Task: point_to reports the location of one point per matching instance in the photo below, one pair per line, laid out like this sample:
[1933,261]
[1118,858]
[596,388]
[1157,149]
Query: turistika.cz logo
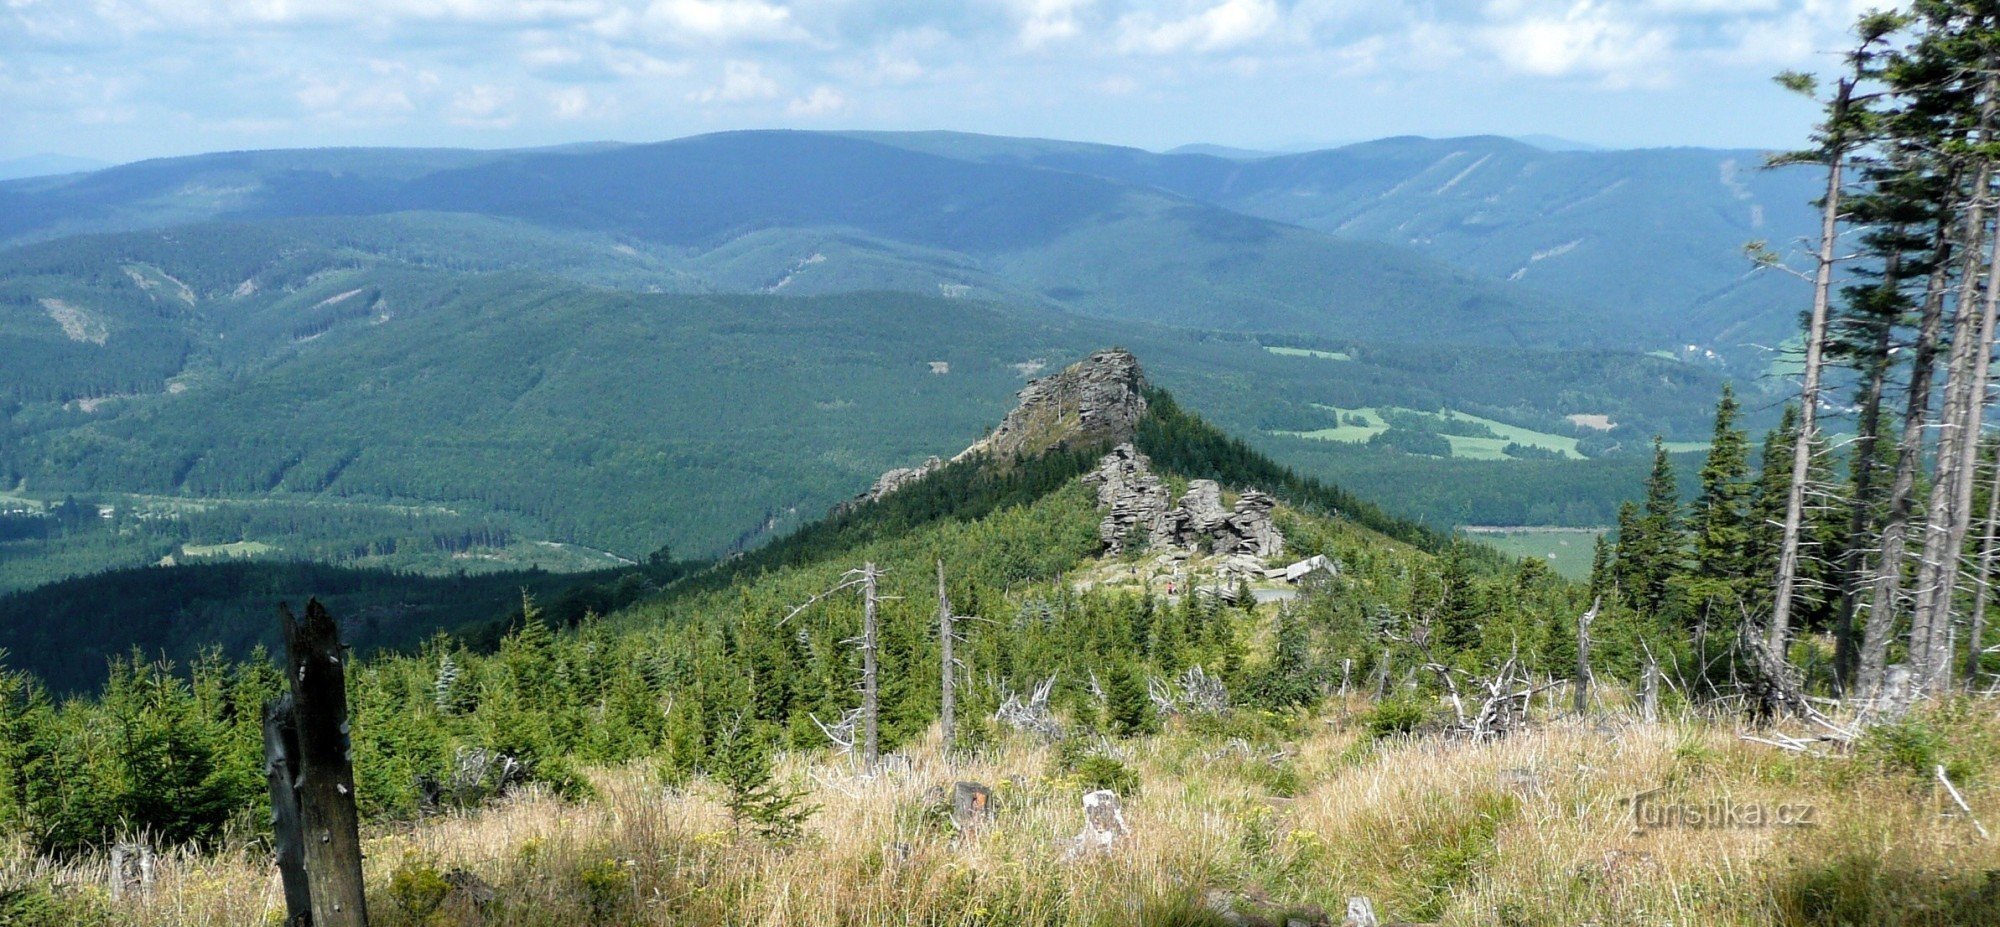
[1651,812]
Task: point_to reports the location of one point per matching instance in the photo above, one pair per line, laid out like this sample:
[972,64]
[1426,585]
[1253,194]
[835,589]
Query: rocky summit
[1099,398]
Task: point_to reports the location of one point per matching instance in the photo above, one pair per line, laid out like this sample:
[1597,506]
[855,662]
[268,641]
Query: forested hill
[1651,237]
[380,393]
[746,211]
[65,633]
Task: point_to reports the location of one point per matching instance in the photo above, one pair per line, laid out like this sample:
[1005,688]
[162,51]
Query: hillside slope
[917,221]
[1653,238]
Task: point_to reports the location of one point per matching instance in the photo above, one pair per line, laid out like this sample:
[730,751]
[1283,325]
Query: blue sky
[126,79]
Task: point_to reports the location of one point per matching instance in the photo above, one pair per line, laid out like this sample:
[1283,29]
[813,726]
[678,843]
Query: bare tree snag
[315,665]
[869,702]
[948,673]
[1583,623]
[281,745]
[1976,635]
[1649,698]
[1885,583]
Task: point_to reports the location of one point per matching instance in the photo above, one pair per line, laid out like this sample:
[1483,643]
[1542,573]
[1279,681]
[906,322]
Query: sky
[120,80]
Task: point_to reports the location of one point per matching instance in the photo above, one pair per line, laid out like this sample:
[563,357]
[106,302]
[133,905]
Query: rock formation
[1251,530]
[1138,510]
[1100,398]
[1134,501]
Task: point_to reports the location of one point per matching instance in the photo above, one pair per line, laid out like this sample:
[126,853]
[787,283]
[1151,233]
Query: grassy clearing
[1308,352]
[1537,829]
[1565,550]
[236,549]
[1465,447]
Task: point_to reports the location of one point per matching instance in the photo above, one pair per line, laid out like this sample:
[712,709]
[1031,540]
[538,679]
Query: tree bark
[315,664]
[1583,623]
[281,745]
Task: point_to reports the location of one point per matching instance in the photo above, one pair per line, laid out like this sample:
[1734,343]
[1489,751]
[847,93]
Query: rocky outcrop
[1100,398]
[890,482]
[1251,530]
[1138,510]
[1134,501]
[1199,516]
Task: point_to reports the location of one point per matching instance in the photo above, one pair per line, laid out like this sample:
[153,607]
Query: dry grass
[1536,829]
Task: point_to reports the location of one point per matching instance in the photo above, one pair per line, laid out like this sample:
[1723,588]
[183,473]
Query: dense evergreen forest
[348,391]
[175,745]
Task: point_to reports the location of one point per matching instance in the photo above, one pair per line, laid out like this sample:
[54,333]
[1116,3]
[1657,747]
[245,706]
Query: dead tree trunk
[1976,635]
[315,665]
[869,701]
[1802,444]
[281,745]
[1885,585]
[1649,699]
[1937,571]
[1862,512]
[947,678]
[1583,623]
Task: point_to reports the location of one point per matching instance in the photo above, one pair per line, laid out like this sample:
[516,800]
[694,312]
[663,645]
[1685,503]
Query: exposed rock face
[1199,516]
[898,478]
[1251,529]
[1099,398]
[890,482]
[1137,511]
[1134,500]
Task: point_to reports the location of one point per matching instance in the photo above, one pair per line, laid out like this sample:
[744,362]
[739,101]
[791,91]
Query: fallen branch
[1962,806]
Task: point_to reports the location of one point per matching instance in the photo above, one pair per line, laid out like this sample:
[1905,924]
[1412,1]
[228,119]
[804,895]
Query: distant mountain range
[40,165]
[443,360]
[1638,249]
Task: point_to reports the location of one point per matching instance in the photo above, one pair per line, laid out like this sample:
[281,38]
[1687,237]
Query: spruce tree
[1128,710]
[754,797]
[1650,544]
[1458,614]
[1721,520]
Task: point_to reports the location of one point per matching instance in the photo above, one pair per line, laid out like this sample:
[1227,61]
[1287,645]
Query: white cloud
[822,101]
[742,82]
[1047,22]
[573,103]
[483,106]
[1586,39]
[1226,25]
[719,21]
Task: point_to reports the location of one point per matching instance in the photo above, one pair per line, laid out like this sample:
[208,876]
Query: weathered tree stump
[131,870]
[322,771]
[971,806]
[1103,824]
[281,744]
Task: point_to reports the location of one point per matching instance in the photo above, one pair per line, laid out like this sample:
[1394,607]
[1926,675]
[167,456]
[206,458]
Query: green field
[236,549]
[1468,448]
[1565,550]
[1308,352]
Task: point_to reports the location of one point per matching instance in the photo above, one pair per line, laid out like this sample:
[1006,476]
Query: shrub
[1394,716]
[417,889]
